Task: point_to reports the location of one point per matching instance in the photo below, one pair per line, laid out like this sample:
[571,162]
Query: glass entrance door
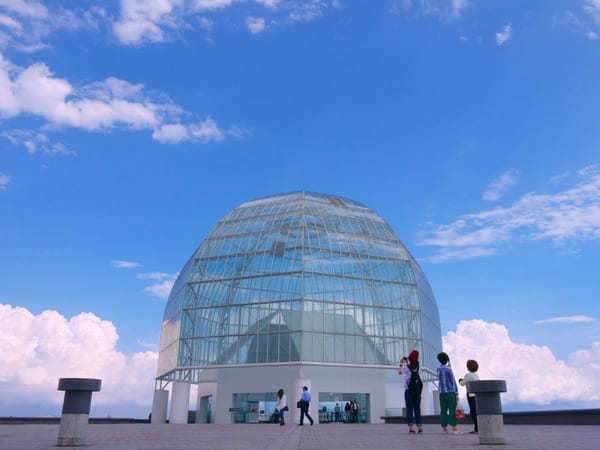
[336,407]
[254,407]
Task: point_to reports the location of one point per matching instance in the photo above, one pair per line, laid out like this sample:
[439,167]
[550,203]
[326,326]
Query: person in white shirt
[471,375]
[281,405]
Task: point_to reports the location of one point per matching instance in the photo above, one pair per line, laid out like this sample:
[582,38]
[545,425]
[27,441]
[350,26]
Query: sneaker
[445,430]
[456,432]
[420,431]
[411,431]
[473,432]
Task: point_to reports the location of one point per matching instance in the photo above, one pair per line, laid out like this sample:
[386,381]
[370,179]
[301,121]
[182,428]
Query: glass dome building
[292,290]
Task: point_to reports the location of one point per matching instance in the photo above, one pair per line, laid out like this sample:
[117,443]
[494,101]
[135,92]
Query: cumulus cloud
[255,24]
[98,106]
[4,180]
[503,36]
[119,264]
[36,142]
[532,373]
[500,185]
[566,319]
[568,216]
[37,350]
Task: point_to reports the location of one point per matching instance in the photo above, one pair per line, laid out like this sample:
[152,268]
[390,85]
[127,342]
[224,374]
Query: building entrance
[254,408]
[336,407]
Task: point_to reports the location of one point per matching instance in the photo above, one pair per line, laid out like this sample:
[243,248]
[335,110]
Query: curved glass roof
[299,277]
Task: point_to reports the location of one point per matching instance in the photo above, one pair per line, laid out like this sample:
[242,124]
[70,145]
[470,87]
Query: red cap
[414,355]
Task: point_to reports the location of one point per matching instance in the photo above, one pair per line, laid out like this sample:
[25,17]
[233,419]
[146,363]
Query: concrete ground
[268,437]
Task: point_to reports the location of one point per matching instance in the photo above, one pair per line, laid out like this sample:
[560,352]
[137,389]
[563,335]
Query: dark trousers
[413,407]
[304,412]
[473,410]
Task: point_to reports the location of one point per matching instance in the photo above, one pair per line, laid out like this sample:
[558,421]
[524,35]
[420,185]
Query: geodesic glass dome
[299,277]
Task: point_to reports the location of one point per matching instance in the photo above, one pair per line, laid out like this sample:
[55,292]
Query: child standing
[471,375]
[448,393]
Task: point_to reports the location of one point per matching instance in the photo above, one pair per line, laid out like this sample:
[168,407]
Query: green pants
[448,409]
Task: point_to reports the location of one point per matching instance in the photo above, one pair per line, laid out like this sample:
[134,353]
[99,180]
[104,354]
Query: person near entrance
[355,408]
[337,412]
[281,405]
[303,404]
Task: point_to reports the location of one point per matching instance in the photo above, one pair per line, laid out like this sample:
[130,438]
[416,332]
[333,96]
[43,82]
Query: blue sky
[128,130]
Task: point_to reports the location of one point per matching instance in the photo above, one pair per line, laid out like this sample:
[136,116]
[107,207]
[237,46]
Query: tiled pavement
[272,437]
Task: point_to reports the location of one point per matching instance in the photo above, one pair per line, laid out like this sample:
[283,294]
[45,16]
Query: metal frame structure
[298,279]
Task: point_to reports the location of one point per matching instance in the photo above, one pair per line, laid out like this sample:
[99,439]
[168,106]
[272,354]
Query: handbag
[299,404]
[459,414]
[285,408]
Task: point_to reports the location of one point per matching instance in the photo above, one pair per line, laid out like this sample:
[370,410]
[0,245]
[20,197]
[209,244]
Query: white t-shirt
[469,376]
[281,402]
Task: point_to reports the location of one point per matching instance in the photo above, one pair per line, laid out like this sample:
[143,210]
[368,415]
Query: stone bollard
[489,410]
[76,409]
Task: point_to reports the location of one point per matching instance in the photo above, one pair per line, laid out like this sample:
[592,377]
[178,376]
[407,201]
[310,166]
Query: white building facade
[293,290]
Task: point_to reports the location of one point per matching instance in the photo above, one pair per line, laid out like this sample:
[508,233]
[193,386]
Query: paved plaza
[271,437]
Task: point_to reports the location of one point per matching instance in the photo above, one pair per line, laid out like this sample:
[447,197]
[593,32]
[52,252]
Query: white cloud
[503,36]
[255,24]
[566,319]
[28,23]
[144,20]
[35,142]
[141,22]
[446,9]
[567,216]
[155,275]
[125,264]
[161,290]
[37,350]
[205,131]
[593,9]
[10,22]
[25,8]
[457,255]
[532,373]
[500,185]
[4,180]
[560,177]
[98,106]
[162,287]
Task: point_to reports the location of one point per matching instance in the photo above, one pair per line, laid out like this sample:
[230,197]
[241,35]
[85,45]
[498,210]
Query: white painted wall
[291,379]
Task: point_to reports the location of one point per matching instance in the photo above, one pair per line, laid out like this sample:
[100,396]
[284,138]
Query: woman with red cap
[413,386]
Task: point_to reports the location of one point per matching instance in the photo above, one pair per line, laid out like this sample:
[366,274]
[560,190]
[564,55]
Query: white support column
[436,402]
[159,406]
[426,400]
[180,402]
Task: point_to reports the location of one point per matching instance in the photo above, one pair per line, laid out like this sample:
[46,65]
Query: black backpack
[415,385]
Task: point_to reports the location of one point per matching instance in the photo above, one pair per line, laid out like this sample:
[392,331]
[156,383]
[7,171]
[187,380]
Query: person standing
[413,387]
[448,393]
[355,408]
[471,375]
[281,406]
[347,412]
[337,411]
[305,399]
